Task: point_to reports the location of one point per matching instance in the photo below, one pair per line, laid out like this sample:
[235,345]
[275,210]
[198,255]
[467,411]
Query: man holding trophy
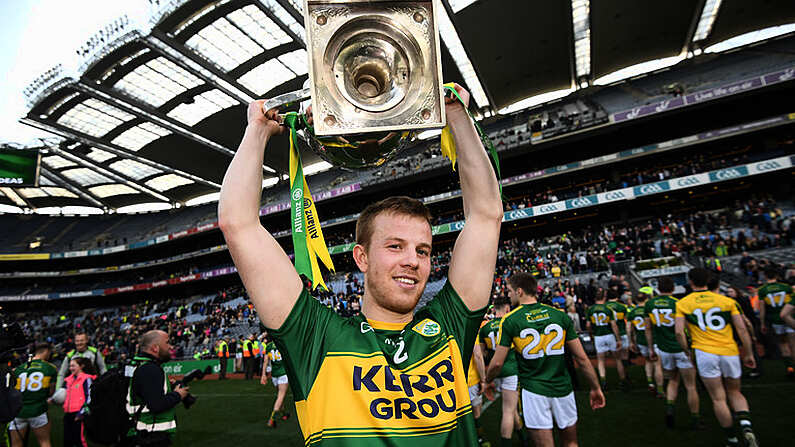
[391,375]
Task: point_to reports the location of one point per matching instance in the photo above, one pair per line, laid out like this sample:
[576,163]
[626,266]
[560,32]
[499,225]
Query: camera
[196,374]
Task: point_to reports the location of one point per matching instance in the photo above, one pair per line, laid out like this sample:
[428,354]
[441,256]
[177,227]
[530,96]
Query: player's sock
[650,381]
[695,421]
[731,436]
[744,419]
[505,442]
[660,390]
[522,435]
[479,427]
[669,413]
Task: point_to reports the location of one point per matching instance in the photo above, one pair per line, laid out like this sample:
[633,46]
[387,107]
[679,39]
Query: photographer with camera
[150,399]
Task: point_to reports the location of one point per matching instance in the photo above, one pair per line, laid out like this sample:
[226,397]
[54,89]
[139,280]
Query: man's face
[397,262]
[81,342]
[164,349]
[512,294]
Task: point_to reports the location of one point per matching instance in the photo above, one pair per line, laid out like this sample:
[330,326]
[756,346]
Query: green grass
[234,413]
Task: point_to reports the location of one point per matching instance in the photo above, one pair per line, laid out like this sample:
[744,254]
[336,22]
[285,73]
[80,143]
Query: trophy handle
[287,99]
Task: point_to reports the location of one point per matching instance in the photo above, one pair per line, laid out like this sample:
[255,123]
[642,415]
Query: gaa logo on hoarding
[615,195]
[11,181]
[548,208]
[768,166]
[650,189]
[580,202]
[687,181]
[726,174]
[517,214]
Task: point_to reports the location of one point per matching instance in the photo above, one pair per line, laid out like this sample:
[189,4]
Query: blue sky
[38,34]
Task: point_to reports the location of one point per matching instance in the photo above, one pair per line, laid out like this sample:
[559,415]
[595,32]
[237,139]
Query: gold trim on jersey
[387,326]
[502,320]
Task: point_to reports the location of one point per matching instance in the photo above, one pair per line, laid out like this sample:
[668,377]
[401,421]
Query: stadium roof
[152,113]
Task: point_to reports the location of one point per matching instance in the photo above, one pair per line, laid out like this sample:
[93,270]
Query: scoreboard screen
[19,167]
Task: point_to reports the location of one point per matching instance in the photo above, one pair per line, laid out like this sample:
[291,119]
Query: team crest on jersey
[427,327]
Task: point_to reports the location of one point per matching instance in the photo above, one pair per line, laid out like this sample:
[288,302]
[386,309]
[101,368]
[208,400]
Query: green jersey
[600,317]
[620,311]
[775,296]
[636,319]
[538,334]
[488,335]
[661,311]
[33,379]
[359,382]
[277,366]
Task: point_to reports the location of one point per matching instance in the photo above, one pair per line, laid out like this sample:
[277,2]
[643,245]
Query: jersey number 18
[32,382]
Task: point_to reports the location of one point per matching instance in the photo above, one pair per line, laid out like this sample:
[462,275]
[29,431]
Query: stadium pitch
[234,413]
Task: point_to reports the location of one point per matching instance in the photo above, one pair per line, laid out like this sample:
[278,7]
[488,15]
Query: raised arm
[266,271]
[475,251]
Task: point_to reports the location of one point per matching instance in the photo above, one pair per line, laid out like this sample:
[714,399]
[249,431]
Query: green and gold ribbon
[308,242]
[448,142]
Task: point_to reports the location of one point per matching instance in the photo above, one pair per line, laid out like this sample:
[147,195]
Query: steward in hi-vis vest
[223,358]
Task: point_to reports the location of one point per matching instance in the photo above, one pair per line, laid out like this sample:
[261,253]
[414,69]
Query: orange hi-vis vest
[256,348]
[246,348]
[223,350]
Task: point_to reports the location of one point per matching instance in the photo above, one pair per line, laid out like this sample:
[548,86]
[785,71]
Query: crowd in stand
[554,260]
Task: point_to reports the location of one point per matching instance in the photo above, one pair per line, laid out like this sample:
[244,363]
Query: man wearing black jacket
[150,401]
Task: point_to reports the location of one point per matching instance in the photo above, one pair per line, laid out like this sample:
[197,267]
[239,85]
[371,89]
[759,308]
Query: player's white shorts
[539,411]
[238,355]
[782,329]
[510,383]
[605,343]
[714,365]
[34,422]
[624,341]
[279,380]
[644,350]
[475,396]
[673,360]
